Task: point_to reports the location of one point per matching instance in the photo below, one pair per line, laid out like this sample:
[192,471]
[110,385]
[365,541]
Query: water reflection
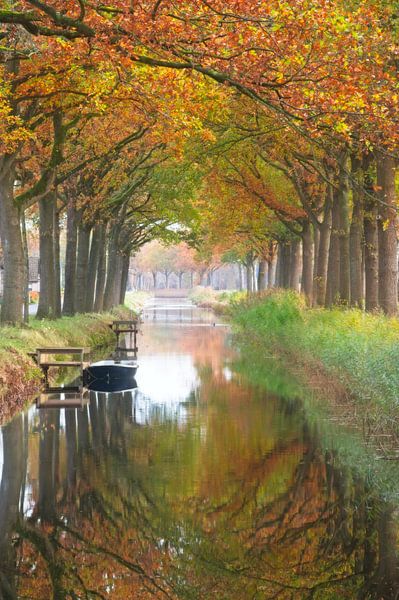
[194,485]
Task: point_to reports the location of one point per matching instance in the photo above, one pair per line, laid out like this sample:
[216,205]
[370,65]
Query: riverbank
[20,378]
[347,356]
[220,301]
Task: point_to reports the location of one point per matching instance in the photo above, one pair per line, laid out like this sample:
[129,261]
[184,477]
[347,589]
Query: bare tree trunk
[57,263]
[370,246]
[387,239]
[47,298]
[249,274]
[334,257]
[240,277]
[344,245]
[116,294]
[286,265]
[26,256]
[82,263]
[96,242]
[272,271]
[320,284]
[295,265]
[125,274]
[356,234]
[283,256]
[279,266]
[101,275]
[262,275]
[111,271]
[307,262]
[70,261]
[316,238]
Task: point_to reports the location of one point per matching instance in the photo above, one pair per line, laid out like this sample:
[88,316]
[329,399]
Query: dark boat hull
[110,375]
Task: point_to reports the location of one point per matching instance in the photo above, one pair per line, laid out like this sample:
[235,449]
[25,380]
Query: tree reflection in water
[232,498]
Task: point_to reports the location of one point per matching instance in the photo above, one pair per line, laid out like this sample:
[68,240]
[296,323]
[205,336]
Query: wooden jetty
[46,358]
[130,326]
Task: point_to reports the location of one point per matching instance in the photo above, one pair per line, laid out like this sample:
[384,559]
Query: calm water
[210,480]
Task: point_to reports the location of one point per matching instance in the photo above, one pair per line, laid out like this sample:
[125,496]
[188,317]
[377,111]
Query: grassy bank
[19,377]
[347,354]
[219,301]
[136,300]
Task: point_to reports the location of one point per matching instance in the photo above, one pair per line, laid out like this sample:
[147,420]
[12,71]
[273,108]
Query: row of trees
[253,124]
[81,136]
[176,259]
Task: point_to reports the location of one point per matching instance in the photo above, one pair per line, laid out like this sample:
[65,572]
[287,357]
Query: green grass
[81,330]
[136,300]
[219,301]
[359,350]
[18,373]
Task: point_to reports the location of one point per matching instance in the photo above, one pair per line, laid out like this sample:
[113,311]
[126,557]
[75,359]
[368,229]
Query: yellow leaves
[12,129]
[342,127]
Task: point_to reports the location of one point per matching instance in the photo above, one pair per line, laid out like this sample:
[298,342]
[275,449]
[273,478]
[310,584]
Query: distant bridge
[171,293]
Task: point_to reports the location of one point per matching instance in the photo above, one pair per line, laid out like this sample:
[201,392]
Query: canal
[214,478]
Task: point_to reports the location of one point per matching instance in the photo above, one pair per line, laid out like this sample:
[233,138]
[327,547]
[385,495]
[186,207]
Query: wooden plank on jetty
[45,358]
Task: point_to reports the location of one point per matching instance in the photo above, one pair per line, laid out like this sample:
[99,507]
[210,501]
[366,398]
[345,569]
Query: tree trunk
[111,271]
[387,240]
[320,275]
[320,284]
[307,262]
[96,243]
[82,263]
[154,278]
[47,298]
[117,280]
[295,265]
[124,278]
[262,275]
[101,275]
[278,276]
[250,280]
[57,264]
[240,277]
[26,260]
[344,246]
[287,266]
[272,271]
[316,237]
[70,261]
[356,235]
[334,257]
[370,245]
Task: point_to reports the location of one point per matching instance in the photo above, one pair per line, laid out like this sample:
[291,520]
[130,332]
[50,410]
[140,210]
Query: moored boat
[110,375]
